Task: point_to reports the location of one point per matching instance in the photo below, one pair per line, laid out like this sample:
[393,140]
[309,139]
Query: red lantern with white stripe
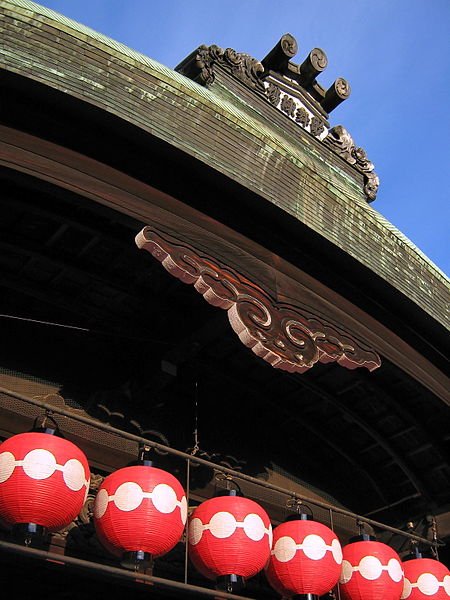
[44,480]
[371,570]
[425,578]
[230,537]
[306,558]
[139,513]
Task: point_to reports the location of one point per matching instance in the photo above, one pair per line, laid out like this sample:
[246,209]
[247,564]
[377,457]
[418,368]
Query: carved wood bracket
[288,337]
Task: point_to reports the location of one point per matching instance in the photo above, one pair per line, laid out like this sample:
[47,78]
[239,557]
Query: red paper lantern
[371,570]
[306,558]
[44,480]
[140,513]
[229,539]
[425,578]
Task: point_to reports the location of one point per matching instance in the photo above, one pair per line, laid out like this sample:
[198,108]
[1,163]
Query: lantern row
[141,512]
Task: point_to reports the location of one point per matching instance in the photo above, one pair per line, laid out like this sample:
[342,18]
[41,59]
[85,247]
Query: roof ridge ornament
[291,88]
[341,141]
[201,63]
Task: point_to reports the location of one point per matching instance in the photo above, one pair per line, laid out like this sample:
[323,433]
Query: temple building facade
[195,278]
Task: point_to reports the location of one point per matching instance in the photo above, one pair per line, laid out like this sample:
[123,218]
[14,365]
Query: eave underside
[137,340]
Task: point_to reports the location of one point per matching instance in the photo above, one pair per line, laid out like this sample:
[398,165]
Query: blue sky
[394,53]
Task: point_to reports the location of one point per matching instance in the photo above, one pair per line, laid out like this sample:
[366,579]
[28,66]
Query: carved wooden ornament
[287,337]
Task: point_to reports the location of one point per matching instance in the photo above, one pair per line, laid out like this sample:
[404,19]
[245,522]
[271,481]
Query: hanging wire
[121,334]
[193,452]
[50,323]
[196,447]
[413,544]
[337,588]
[434,547]
[186,533]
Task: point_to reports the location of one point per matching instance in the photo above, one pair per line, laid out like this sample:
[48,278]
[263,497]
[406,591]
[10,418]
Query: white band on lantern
[41,464]
[223,524]
[129,496]
[313,546]
[427,583]
[370,568]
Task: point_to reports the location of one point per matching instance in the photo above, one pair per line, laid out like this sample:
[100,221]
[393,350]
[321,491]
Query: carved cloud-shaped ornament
[287,337]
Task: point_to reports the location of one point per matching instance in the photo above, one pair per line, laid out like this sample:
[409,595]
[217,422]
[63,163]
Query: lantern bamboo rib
[214,466]
[116,572]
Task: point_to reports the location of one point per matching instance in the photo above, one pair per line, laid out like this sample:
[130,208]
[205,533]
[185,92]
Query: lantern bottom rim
[136,560]
[30,534]
[305,597]
[230,583]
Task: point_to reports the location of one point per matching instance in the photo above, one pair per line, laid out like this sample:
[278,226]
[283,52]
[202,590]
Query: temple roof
[274,155]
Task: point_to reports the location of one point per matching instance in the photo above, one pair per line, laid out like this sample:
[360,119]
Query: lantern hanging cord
[299,506]
[413,544]
[48,416]
[435,545]
[361,525]
[196,447]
